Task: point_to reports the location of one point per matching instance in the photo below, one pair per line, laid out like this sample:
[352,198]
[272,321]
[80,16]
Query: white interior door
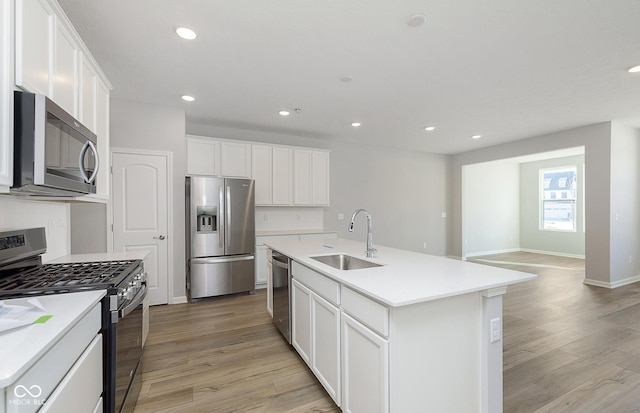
[140,220]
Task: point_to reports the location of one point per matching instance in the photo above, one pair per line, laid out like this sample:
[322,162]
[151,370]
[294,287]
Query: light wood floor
[568,347]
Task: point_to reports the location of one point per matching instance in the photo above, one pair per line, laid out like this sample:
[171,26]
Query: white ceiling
[505,69]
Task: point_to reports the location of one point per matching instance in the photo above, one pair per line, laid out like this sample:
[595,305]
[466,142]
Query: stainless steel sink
[345,262]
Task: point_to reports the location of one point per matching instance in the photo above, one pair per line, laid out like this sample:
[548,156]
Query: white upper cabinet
[202,156]
[65,70]
[34,42]
[235,159]
[282,176]
[6,95]
[88,93]
[311,177]
[261,169]
[51,59]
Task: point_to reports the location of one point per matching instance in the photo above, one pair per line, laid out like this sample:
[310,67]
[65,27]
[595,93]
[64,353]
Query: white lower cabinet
[316,336]
[365,367]
[325,345]
[77,392]
[301,320]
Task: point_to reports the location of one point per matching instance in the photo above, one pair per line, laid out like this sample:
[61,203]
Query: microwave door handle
[83,172]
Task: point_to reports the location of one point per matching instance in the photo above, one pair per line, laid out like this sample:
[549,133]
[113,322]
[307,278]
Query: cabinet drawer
[319,283]
[367,311]
[54,364]
[80,390]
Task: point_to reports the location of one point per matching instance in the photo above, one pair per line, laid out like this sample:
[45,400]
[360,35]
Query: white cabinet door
[34,42]
[311,177]
[65,70]
[88,93]
[282,176]
[302,177]
[320,178]
[6,94]
[261,265]
[325,345]
[270,289]
[202,157]
[261,168]
[365,366]
[235,159]
[301,320]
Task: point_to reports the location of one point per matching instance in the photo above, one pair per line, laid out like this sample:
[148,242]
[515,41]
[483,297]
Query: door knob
[161,237]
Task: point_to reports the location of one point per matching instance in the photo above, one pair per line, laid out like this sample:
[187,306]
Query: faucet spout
[370,252]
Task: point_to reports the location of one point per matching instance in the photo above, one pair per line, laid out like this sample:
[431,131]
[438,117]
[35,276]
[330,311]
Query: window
[558,189]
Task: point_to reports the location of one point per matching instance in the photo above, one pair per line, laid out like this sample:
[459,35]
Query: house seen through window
[558,198]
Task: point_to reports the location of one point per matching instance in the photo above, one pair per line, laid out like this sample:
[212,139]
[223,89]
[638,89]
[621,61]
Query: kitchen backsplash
[19,213]
[288,218]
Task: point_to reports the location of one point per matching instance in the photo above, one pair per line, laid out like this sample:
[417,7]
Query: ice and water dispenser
[207,219]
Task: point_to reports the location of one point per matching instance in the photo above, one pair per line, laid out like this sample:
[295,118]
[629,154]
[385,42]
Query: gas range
[121,277]
[22,274]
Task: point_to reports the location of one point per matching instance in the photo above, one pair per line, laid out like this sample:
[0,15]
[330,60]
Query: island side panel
[435,355]
[491,366]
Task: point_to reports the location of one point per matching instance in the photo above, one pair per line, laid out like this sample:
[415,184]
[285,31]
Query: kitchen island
[417,333]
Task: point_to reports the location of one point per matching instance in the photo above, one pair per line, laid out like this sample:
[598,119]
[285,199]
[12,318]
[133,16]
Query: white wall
[404,191]
[289,218]
[18,213]
[138,125]
[625,205]
[491,208]
[534,239]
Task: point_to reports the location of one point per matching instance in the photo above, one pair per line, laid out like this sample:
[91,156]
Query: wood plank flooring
[568,347]
[224,355]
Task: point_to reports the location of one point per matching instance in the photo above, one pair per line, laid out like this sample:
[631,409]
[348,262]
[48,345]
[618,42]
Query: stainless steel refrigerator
[221,236]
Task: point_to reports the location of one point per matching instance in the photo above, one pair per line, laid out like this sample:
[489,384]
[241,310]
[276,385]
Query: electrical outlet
[341,216]
[424,245]
[495,329]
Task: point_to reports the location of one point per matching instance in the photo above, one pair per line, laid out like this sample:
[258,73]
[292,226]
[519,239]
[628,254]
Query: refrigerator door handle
[228,215]
[220,227]
[216,260]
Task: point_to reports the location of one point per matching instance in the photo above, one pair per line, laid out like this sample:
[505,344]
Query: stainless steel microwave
[54,154]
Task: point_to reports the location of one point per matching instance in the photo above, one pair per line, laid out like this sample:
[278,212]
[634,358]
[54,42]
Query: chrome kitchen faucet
[370,250]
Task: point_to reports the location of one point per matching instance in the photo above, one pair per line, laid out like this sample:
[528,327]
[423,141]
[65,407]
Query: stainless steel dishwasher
[281,294]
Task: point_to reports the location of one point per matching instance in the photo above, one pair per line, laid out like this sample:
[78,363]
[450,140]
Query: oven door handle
[135,303]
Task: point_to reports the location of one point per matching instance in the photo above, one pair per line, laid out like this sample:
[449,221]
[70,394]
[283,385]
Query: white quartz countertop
[23,346]
[103,256]
[293,232]
[406,277]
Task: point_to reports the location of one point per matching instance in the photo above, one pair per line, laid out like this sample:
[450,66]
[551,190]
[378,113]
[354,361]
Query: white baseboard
[260,286]
[179,300]
[478,254]
[615,284]
[557,254]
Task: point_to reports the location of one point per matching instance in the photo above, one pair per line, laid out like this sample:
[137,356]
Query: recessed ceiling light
[186,33]
[188,98]
[430,128]
[634,69]
[284,113]
[346,79]
[416,20]
[356,124]
[476,136]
